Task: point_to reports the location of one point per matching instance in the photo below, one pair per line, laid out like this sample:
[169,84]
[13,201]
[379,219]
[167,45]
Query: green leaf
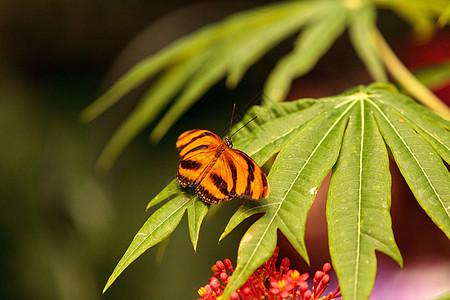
[150,106]
[158,227]
[444,19]
[361,33]
[359,195]
[197,210]
[446,296]
[434,76]
[190,66]
[419,163]
[358,205]
[268,138]
[311,44]
[169,192]
[226,55]
[294,179]
[258,43]
[435,135]
[422,15]
[178,51]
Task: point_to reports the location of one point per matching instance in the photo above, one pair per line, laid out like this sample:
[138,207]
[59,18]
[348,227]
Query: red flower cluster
[284,283]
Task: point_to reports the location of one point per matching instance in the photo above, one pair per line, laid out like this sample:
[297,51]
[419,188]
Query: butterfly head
[229,142]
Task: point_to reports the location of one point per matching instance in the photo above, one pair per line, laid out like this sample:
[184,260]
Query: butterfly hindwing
[218,185]
[251,182]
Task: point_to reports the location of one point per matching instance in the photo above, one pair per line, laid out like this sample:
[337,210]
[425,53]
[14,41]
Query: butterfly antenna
[231,120]
[244,126]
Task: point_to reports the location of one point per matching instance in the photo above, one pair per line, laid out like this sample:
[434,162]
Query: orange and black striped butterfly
[217,171]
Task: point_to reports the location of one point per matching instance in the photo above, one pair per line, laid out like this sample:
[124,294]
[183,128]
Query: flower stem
[411,84]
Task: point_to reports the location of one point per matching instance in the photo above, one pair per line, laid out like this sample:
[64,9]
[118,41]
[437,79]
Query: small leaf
[159,226]
[419,163]
[434,76]
[358,205]
[269,138]
[169,192]
[246,210]
[152,103]
[142,71]
[362,36]
[260,42]
[311,44]
[197,210]
[445,296]
[435,135]
[223,57]
[444,19]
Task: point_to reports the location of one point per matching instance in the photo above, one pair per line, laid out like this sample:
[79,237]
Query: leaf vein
[447,210]
[156,227]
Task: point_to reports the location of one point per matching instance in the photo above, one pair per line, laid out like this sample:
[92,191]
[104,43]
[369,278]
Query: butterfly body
[217,171]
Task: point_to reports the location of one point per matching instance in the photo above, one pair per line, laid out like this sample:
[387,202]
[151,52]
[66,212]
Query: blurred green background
[64,226]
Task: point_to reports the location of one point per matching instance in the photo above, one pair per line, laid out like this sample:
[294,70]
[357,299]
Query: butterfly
[217,171]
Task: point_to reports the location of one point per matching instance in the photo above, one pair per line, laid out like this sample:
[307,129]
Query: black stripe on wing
[190,164]
[220,183]
[233,171]
[193,135]
[265,185]
[184,181]
[195,149]
[206,196]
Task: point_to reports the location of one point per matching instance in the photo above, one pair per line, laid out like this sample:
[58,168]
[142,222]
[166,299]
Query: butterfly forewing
[194,139]
[217,172]
[196,149]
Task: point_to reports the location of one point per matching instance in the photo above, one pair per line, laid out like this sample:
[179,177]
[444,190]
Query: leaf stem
[407,80]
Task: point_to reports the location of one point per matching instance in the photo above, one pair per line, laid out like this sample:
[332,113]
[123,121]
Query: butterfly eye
[229,142]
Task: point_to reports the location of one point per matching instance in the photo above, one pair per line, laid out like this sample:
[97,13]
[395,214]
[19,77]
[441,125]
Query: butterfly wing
[196,148]
[218,184]
[248,179]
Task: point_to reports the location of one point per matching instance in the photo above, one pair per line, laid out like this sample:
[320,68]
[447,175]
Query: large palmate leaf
[349,134]
[359,194]
[188,67]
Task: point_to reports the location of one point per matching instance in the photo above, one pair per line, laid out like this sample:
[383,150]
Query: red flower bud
[228,265]
[220,265]
[326,267]
[285,263]
[224,277]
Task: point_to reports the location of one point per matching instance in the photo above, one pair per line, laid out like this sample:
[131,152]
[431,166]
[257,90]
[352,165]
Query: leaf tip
[108,284]
[103,164]
[156,135]
[85,116]
[224,234]
[231,82]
